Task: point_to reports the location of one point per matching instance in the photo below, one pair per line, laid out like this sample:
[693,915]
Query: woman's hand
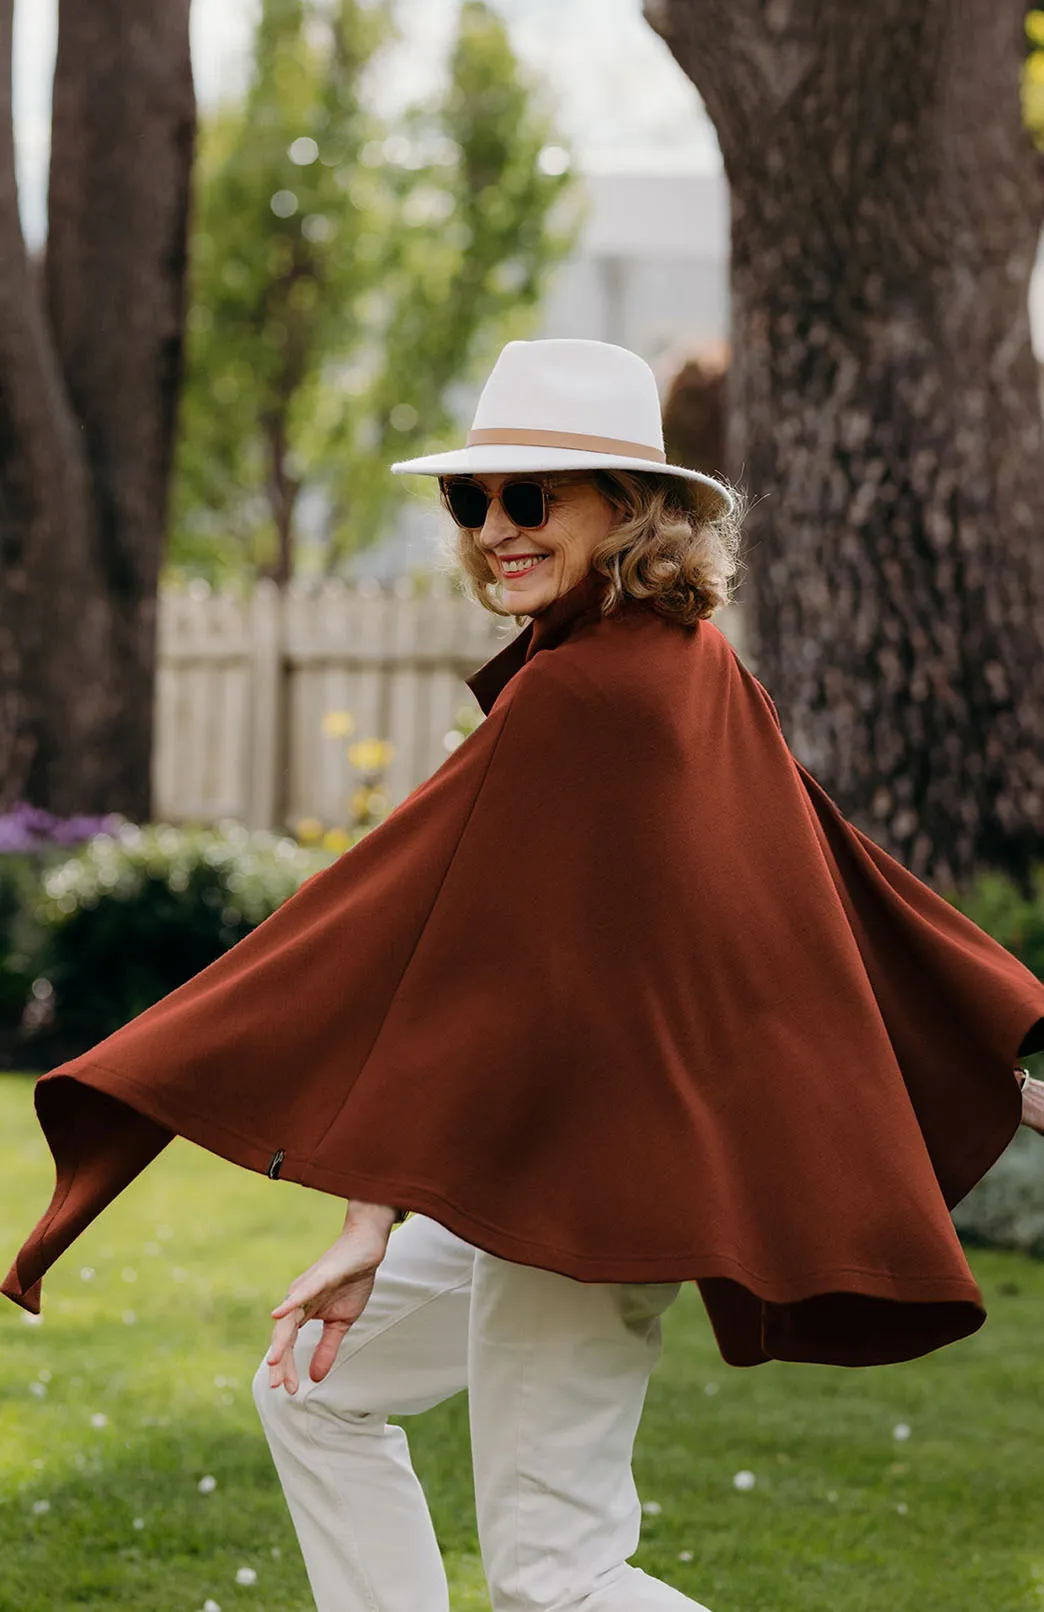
[1033,1105]
[334,1290]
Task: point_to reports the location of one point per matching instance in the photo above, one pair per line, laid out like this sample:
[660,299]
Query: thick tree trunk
[885,416]
[43,530]
[84,486]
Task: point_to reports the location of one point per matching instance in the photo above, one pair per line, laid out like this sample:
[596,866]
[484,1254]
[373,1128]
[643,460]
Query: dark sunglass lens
[524,502]
[467,502]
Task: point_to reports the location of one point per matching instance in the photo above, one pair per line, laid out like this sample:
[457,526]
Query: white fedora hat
[566,404]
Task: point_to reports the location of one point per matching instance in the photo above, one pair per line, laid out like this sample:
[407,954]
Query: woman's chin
[524,599]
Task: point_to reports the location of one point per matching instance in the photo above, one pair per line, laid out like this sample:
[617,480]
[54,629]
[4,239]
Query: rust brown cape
[617,992]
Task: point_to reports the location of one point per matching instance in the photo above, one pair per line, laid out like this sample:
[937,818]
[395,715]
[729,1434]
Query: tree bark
[885,414]
[83,485]
[43,531]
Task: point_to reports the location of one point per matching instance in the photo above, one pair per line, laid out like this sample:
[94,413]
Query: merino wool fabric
[617,992]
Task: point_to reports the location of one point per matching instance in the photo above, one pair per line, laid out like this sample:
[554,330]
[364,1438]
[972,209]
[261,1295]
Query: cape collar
[570,610]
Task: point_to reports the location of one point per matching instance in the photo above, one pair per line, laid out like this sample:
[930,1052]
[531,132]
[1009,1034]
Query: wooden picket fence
[244,684]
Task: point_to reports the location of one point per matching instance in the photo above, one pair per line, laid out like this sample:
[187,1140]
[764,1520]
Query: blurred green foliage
[20,874]
[132,916]
[1033,76]
[1013,918]
[1006,1208]
[345,274]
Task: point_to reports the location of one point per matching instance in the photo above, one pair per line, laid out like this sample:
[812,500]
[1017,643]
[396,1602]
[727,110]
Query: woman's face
[579,518]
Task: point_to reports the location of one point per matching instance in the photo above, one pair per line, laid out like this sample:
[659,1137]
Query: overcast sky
[619,94]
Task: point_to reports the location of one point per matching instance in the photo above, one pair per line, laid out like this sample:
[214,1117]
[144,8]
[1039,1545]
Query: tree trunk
[886,208]
[83,485]
[282,490]
[43,530]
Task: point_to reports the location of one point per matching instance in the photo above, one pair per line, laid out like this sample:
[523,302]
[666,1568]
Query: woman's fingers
[334,1290]
[293,1299]
[325,1352]
[282,1366]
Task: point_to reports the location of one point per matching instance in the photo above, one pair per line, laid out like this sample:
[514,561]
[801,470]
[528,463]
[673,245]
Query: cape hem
[680,1265]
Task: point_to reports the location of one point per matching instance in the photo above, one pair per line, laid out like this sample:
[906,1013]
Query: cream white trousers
[556,1372]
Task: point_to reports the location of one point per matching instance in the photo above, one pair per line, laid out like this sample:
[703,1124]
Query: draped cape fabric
[617,992]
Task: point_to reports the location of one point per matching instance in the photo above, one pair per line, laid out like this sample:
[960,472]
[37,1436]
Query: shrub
[19,941]
[135,914]
[1006,1208]
[31,839]
[995,903]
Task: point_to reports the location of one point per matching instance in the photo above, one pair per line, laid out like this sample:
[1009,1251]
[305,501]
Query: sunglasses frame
[544,480]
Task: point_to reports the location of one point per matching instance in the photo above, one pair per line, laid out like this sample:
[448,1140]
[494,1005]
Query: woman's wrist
[374,1217]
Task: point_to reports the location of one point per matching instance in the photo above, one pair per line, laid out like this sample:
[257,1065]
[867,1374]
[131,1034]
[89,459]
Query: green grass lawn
[136,1385]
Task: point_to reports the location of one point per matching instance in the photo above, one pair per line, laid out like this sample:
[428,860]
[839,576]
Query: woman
[615,1000]
[443,1315]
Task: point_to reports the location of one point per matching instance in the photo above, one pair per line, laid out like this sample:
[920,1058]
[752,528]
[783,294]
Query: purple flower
[27,828]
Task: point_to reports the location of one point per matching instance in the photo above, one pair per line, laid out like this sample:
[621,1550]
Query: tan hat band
[503,437]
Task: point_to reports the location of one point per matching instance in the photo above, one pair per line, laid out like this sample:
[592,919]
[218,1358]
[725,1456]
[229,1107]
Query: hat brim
[504,459]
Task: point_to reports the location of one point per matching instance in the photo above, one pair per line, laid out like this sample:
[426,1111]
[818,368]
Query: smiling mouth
[519,564]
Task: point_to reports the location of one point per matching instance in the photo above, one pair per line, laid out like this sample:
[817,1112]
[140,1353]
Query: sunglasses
[525,503]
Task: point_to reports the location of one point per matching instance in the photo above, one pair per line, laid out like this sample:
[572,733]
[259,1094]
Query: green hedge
[1006,1209]
[1013,919]
[131,916]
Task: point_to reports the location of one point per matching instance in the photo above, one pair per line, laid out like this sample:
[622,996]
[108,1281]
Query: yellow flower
[1035,27]
[338,724]
[309,830]
[359,803]
[335,839]
[370,755]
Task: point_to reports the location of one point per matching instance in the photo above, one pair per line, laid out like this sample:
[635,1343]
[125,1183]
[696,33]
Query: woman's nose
[497,526]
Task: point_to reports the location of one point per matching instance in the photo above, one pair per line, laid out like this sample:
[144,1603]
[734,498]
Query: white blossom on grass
[902,1508]
[32,1320]
[139,1523]
[40,1507]
[744,1480]
[710,1388]
[245,1575]
[901,1431]
[207,1484]
[210,1606]
[39,1389]
[652,1508]
[87,1273]
[99,1419]
[685,1555]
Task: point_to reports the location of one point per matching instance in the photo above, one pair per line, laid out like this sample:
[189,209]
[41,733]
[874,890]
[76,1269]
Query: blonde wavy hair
[669,546]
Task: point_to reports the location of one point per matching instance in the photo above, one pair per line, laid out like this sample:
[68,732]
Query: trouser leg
[557,1373]
[360,1514]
